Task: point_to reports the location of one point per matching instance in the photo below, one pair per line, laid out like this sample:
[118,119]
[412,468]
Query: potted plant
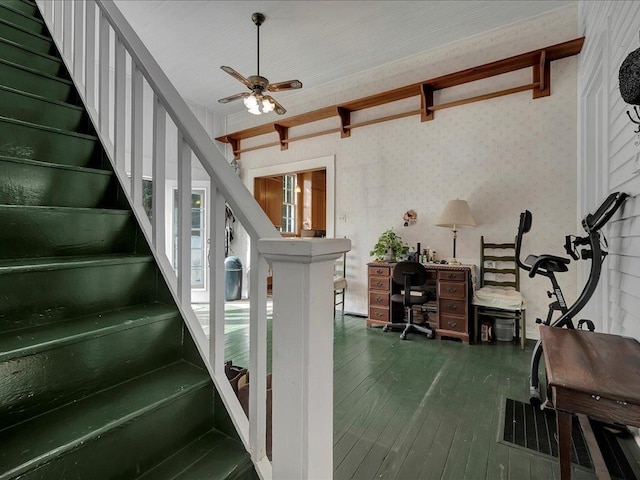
[389,247]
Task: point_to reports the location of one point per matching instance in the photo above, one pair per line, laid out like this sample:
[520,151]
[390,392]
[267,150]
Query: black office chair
[412,276]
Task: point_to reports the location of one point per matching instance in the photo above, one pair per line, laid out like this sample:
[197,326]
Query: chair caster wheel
[403,336]
[385,328]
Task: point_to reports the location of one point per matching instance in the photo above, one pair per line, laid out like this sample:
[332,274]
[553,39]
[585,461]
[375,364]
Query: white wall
[503,155]
[611,29]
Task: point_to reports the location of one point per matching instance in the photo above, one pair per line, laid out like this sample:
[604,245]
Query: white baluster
[159,174]
[78,38]
[258,353]
[103,84]
[66,30]
[184,221]
[217,278]
[120,94]
[90,58]
[136,135]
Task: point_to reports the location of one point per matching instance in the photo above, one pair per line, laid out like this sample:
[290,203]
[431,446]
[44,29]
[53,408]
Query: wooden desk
[591,374]
[453,284]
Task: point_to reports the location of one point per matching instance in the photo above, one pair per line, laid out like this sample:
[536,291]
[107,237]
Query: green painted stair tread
[8,266]
[32,81]
[33,182]
[40,110]
[214,455]
[27,140]
[27,8]
[31,341]
[35,442]
[44,231]
[15,16]
[21,35]
[26,56]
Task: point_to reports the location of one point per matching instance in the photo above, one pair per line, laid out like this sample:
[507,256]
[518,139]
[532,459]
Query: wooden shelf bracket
[283,135]
[542,76]
[426,102]
[345,121]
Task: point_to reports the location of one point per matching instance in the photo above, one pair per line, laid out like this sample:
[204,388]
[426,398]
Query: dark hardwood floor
[419,408]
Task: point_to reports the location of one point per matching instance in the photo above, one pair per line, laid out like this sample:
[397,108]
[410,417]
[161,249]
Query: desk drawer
[379,271]
[380,283]
[453,323]
[378,299]
[380,314]
[452,290]
[452,306]
[454,276]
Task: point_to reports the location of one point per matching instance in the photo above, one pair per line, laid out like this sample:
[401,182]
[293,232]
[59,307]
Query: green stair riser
[36,383]
[172,395]
[43,296]
[24,7]
[25,182]
[43,63]
[41,111]
[18,18]
[25,140]
[50,232]
[12,75]
[19,35]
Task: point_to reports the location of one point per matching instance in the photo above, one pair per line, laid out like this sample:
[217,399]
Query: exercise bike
[590,247]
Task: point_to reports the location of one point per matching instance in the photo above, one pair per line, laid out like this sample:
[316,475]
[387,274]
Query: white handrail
[89,38]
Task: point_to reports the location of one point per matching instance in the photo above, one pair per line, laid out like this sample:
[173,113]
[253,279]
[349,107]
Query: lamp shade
[456,214]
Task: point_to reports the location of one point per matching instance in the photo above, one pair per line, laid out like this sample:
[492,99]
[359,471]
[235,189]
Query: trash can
[503,329]
[233,274]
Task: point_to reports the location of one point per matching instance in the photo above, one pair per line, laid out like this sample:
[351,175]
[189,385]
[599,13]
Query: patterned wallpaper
[503,156]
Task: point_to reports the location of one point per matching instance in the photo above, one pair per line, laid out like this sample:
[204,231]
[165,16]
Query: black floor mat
[535,429]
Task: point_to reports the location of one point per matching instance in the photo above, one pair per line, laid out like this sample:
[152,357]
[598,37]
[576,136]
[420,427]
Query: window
[288,204]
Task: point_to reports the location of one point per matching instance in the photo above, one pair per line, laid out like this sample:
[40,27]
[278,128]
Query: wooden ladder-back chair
[498,295]
[340,281]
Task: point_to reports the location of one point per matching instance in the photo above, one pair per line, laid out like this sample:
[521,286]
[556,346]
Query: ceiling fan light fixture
[257,104]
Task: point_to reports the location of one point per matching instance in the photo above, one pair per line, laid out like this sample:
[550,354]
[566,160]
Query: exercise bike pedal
[590,326]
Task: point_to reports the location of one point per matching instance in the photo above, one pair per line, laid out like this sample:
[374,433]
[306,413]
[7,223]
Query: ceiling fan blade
[288,85]
[236,75]
[279,109]
[234,97]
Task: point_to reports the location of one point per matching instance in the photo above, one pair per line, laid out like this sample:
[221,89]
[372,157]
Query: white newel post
[302,363]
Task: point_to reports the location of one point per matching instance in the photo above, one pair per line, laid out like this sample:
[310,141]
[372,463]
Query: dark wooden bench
[592,375]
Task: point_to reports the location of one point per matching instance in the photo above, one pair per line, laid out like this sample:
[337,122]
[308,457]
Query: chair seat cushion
[416,298]
[498,298]
[339,283]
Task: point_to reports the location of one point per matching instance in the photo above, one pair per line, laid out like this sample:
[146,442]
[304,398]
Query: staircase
[99,378]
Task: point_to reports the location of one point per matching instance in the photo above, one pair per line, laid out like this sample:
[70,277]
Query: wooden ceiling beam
[539,59]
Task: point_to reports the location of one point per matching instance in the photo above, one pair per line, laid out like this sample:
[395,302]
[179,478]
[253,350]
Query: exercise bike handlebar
[597,220]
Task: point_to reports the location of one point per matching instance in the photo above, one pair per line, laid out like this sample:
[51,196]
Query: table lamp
[455,215]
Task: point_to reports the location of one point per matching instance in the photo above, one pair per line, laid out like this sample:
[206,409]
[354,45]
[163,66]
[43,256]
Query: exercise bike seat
[546,263]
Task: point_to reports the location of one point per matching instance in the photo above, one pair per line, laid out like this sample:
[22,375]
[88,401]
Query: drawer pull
[378,271]
[452,289]
[452,275]
[378,299]
[378,314]
[452,324]
[453,306]
[378,284]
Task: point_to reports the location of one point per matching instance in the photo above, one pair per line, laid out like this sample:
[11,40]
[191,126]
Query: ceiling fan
[256,101]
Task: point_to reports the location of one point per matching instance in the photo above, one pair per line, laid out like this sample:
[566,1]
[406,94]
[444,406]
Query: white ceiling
[313,41]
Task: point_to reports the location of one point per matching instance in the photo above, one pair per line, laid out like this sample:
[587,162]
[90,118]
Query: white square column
[303,312]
